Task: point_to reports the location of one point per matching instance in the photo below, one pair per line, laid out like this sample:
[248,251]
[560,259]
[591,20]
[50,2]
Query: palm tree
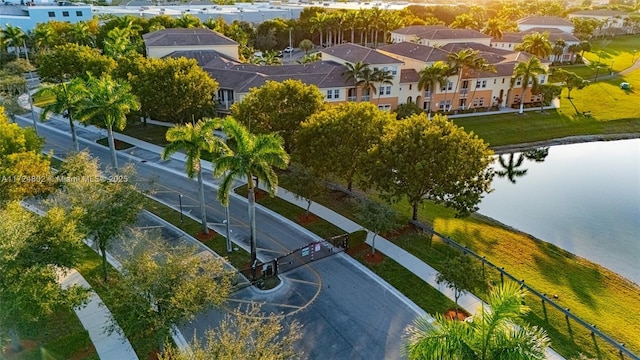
[558,49]
[536,44]
[382,77]
[107,105]
[188,21]
[44,36]
[194,139]
[367,82]
[462,61]
[319,22]
[80,34]
[481,65]
[250,156]
[525,72]
[351,18]
[436,73]
[493,28]
[365,22]
[489,335]
[13,36]
[68,96]
[376,21]
[118,43]
[354,72]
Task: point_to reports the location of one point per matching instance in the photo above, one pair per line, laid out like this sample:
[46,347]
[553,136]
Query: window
[448,86]
[333,94]
[388,92]
[541,80]
[385,107]
[481,84]
[52,14]
[381,90]
[518,81]
[495,81]
[78,13]
[65,14]
[444,105]
[409,86]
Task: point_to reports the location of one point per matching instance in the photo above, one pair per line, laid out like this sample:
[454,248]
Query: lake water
[584,198]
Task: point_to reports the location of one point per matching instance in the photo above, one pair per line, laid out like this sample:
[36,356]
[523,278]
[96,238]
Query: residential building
[545,22]
[438,35]
[509,41]
[27,17]
[163,42]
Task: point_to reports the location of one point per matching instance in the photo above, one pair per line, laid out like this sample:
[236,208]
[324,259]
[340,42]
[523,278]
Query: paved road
[346,311]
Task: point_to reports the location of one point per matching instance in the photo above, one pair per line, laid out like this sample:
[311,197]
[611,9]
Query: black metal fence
[544,299]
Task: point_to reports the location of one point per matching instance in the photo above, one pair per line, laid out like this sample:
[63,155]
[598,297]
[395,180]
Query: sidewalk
[94,317]
[467,301]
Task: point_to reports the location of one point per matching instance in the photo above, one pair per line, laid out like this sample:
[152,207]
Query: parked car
[288,49]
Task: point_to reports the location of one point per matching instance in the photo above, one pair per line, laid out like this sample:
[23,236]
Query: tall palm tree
[351,18]
[250,156]
[368,81]
[118,43]
[107,105]
[376,24]
[431,75]
[13,36]
[526,72]
[491,334]
[365,23]
[354,72]
[319,23]
[461,62]
[68,97]
[536,44]
[558,49]
[494,28]
[382,77]
[80,34]
[194,139]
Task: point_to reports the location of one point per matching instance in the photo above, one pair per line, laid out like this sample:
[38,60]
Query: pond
[584,198]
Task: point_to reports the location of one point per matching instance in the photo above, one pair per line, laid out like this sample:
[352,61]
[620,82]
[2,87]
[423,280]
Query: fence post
[544,308]
[566,316]
[595,343]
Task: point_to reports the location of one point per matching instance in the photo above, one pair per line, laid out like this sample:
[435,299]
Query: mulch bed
[451,314]
[364,250]
[204,237]
[306,219]
[260,194]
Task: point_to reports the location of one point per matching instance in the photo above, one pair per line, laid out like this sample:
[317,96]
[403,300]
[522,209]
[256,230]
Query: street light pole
[597,70]
[33,114]
[180,203]
[226,213]
[612,67]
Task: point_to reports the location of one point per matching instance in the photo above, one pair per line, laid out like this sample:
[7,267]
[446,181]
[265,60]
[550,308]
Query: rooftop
[353,53]
[545,21]
[182,37]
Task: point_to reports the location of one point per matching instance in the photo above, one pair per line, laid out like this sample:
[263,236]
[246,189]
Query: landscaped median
[591,292]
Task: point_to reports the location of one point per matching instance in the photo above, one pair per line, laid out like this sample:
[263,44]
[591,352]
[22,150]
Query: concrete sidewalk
[94,317]
[468,301]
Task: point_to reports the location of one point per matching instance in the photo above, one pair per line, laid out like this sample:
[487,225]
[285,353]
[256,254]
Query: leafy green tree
[304,184]
[570,81]
[403,111]
[68,97]
[245,335]
[461,275]
[342,134]
[194,139]
[250,156]
[526,72]
[164,286]
[536,44]
[44,36]
[547,93]
[305,45]
[377,218]
[66,62]
[118,43]
[490,334]
[278,107]
[107,105]
[465,21]
[34,250]
[188,21]
[431,160]
[13,36]
[104,209]
[18,67]
[176,90]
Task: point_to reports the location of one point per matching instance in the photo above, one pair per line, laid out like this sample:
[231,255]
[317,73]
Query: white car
[288,49]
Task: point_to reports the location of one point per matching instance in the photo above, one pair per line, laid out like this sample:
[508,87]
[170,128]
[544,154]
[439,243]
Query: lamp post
[180,204]
[597,70]
[612,67]
[33,114]
[633,58]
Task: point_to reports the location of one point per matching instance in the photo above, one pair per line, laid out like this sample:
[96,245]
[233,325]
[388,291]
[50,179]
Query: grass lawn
[614,112]
[153,134]
[618,49]
[40,101]
[46,338]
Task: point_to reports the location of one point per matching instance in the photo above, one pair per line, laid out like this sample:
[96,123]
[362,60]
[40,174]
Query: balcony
[464,93]
[351,98]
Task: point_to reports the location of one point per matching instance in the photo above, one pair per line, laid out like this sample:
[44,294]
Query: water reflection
[511,169]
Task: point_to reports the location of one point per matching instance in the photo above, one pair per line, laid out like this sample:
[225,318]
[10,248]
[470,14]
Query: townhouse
[403,60]
[612,22]
[510,40]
